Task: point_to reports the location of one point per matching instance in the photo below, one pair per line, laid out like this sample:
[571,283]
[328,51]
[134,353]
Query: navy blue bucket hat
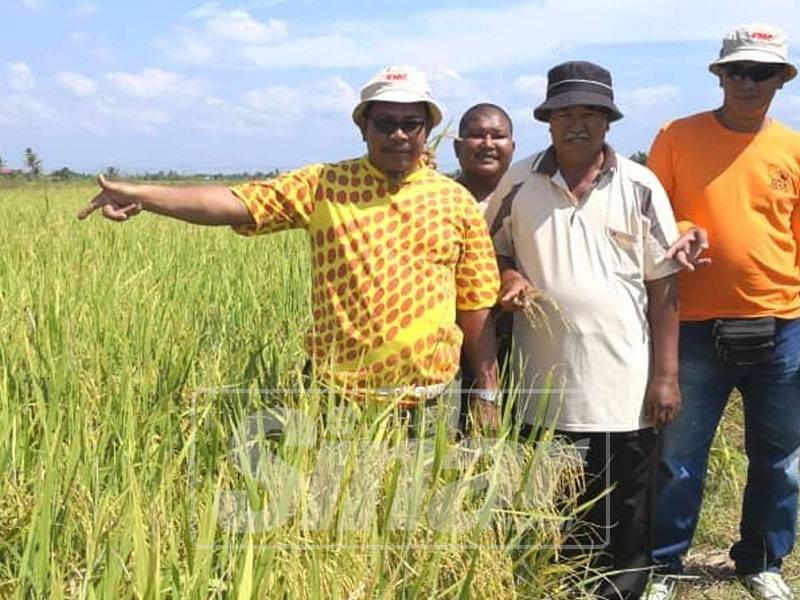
[578,83]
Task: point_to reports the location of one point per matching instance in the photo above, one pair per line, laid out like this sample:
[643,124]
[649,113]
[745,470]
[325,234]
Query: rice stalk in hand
[534,310]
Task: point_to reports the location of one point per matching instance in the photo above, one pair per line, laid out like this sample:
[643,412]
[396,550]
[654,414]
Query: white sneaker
[767,586]
[660,587]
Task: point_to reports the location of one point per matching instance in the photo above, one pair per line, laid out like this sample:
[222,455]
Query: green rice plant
[122,479]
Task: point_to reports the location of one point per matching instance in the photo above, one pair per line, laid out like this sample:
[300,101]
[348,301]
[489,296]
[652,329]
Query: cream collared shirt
[592,258]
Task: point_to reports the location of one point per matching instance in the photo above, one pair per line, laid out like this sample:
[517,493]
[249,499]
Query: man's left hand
[662,400]
[688,248]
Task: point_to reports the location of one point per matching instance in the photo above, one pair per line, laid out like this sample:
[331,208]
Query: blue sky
[232,86]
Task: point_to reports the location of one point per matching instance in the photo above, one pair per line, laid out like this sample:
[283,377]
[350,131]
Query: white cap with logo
[398,84]
[755,42]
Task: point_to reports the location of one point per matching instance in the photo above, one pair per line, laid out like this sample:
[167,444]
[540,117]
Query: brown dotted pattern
[390,267]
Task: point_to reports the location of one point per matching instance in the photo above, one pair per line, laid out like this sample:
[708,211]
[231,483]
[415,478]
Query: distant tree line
[640,157]
[33,164]
[35,170]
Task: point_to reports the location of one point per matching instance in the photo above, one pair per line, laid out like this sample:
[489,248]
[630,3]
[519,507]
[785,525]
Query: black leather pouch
[744,342]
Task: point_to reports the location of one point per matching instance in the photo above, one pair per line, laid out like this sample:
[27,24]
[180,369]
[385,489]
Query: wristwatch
[489,396]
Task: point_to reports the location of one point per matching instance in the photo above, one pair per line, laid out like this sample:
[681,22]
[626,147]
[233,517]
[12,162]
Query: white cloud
[78,84]
[523,116]
[270,3]
[502,48]
[436,37]
[103,54]
[219,34]
[275,100]
[141,102]
[283,103]
[240,26]
[85,9]
[331,95]
[152,83]
[154,116]
[451,86]
[328,51]
[531,86]
[23,110]
[444,74]
[204,11]
[645,97]
[20,76]
[124,116]
[187,46]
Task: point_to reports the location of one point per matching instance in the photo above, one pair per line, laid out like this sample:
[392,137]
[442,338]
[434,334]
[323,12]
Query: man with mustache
[592,230]
[484,149]
[402,264]
[736,172]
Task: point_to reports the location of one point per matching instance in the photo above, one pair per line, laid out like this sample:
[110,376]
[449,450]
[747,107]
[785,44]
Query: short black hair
[480,108]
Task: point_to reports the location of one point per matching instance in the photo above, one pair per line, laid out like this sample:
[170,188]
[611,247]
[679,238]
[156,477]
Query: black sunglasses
[389,126]
[756,74]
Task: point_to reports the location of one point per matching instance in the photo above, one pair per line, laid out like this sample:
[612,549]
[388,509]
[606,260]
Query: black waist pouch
[744,342]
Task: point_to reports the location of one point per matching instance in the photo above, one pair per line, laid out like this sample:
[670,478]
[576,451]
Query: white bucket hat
[398,84]
[755,42]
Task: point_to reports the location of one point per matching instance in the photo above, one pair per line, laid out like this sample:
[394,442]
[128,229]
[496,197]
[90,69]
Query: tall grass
[120,480]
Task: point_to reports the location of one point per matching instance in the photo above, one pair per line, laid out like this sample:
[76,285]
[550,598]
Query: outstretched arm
[202,205]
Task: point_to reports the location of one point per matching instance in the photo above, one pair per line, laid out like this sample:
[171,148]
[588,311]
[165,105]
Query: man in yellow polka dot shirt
[402,264]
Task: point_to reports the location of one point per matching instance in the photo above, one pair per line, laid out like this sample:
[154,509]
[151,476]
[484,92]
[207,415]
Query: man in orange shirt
[736,173]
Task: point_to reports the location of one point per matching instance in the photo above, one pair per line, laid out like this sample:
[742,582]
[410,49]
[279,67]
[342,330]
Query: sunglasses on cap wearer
[389,126]
[756,74]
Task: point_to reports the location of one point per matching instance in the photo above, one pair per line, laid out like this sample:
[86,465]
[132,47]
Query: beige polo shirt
[592,258]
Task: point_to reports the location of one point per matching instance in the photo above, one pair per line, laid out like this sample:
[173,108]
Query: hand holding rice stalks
[534,305]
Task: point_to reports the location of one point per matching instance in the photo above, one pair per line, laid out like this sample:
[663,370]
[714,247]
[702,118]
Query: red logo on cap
[397,76]
[758,35]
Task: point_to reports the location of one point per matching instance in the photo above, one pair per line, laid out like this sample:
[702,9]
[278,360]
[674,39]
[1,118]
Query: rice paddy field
[136,454]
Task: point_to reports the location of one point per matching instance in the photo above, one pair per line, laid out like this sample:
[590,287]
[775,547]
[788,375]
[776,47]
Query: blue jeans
[771,399]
